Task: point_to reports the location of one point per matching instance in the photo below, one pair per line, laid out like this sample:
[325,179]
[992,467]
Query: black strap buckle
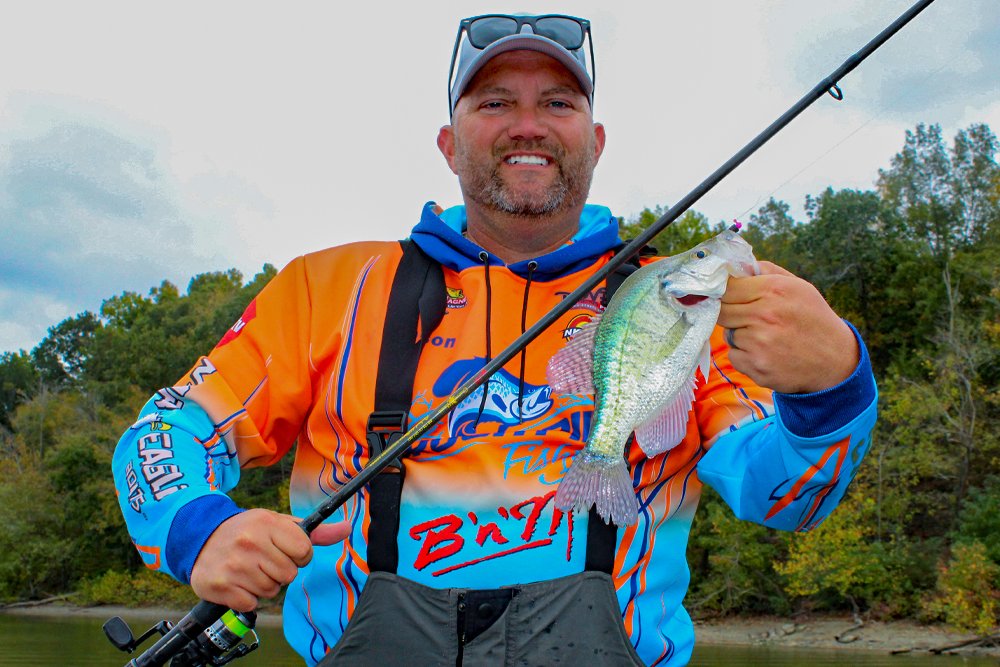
[384,428]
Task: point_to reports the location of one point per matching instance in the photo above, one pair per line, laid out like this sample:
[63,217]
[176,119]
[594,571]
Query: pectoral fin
[571,369]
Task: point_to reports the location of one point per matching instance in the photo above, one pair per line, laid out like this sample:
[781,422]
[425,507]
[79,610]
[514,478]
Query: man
[482,568]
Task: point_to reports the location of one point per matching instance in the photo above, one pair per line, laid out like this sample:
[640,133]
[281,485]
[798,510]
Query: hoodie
[299,367]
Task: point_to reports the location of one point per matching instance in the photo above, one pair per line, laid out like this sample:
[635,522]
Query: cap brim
[522,42]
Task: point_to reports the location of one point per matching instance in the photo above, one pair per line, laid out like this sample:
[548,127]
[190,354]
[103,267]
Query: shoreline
[838,633]
[824,632]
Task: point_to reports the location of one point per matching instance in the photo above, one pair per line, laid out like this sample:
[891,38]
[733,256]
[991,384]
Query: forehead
[523,66]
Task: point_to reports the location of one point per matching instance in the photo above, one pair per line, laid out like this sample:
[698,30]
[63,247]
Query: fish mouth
[690,299]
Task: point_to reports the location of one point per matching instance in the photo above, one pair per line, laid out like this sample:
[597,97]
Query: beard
[483,183]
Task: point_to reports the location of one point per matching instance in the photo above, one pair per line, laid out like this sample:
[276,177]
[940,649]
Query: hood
[440,236]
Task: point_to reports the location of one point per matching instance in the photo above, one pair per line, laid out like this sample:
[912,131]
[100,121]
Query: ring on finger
[728,335]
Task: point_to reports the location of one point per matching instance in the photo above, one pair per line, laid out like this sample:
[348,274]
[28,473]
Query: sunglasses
[568,32]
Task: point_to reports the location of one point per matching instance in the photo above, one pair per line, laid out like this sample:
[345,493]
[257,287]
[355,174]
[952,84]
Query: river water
[44,641]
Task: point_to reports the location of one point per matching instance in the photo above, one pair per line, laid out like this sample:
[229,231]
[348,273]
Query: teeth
[527,159]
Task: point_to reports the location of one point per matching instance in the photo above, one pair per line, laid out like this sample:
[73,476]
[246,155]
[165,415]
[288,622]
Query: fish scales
[640,361]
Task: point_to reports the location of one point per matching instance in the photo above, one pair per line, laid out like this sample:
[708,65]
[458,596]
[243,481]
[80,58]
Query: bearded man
[457,554]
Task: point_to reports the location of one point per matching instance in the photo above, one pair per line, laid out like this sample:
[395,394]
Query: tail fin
[601,481]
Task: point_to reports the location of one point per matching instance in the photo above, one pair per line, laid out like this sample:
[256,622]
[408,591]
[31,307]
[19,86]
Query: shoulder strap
[416,307]
[417,302]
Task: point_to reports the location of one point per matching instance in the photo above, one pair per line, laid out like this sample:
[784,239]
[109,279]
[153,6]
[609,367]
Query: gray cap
[471,60]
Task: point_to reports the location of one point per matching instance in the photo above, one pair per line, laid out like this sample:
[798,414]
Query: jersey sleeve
[242,405]
[783,461]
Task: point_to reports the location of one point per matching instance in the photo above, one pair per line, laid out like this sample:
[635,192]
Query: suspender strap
[416,306]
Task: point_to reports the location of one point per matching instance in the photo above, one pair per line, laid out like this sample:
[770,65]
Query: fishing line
[905,95]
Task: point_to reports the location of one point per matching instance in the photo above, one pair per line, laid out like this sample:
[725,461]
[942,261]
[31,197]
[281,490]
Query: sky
[149,141]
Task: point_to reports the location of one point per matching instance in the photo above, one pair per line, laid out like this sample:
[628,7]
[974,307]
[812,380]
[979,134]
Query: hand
[253,554]
[786,336]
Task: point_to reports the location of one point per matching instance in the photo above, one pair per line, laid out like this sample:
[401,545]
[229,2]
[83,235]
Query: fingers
[772,269]
[251,555]
[752,288]
[330,533]
[783,333]
[291,541]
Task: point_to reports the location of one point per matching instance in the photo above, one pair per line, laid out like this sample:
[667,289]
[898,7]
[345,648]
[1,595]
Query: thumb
[770,268]
[326,534]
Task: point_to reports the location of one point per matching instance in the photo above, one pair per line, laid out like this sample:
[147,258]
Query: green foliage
[140,588]
[33,553]
[844,559]
[732,563]
[64,353]
[64,407]
[980,518]
[19,381]
[772,232]
[689,230]
[968,596]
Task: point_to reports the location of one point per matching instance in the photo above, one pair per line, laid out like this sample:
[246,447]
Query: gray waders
[573,620]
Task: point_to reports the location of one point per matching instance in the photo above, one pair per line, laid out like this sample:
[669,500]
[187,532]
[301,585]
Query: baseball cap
[556,35]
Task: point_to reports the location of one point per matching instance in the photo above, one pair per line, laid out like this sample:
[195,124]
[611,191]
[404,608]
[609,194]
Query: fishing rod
[202,617]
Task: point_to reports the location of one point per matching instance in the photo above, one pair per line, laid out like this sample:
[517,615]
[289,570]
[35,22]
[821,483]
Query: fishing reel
[218,644]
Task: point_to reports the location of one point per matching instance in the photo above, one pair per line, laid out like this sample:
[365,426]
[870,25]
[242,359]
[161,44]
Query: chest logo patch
[456,297]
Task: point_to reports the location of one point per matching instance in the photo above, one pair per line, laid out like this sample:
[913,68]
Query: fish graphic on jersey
[639,360]
[507,400]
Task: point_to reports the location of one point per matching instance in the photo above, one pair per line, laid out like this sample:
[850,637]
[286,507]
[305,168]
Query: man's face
[523,141]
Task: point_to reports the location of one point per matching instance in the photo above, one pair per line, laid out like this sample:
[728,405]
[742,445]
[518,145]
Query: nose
[527,123]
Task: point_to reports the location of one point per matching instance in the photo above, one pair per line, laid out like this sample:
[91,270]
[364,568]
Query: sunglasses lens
[561,30]
[483,32]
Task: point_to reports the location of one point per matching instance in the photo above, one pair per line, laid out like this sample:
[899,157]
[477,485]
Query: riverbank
[813,632]
[841,633]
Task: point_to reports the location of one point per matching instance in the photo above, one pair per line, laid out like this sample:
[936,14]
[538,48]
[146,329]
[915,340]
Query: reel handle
[184,632]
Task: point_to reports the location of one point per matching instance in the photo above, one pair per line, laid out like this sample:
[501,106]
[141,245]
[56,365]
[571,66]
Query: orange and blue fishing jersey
[298,370]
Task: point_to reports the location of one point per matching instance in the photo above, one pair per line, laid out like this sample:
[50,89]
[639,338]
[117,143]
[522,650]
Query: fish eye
[701,254]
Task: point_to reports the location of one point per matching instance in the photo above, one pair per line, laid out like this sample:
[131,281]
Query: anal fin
[667,428]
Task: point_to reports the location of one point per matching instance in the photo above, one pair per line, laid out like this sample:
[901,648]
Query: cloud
[80,205]
[25,315]
[85,213]
[929,68]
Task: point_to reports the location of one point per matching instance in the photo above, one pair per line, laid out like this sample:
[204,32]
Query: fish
[639,358]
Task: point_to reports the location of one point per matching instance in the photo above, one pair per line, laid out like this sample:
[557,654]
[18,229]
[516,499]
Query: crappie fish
[639,359]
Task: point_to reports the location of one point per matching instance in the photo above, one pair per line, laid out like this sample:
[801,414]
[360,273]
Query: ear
[599,139]
[446,144]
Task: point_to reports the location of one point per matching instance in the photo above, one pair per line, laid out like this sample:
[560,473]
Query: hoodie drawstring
[532,265]
[484,257]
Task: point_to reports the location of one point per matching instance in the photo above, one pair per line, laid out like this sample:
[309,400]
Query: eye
[701,254]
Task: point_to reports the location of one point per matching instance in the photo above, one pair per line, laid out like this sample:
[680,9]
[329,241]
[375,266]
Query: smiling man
[457,554]
[524,146]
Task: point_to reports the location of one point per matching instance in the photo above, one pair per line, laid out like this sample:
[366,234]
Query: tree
[772,232]
[18,382]
[943,197]
[684,233]
[63,354]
